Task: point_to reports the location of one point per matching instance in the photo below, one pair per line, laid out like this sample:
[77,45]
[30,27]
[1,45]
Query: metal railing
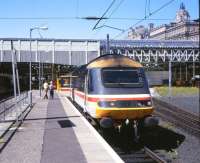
[13,107]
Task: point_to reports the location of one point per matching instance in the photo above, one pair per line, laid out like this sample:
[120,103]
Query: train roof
[113,60]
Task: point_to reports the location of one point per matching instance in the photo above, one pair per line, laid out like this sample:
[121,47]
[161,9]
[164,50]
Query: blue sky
[77,28]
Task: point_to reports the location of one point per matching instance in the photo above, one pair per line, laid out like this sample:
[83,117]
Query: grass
[175,91]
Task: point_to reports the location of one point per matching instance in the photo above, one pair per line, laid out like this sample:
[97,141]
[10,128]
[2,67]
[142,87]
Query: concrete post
[170,79]
[86,52]
[19,51]
[108,44]
[14,78]
[193,68]
[70,53]
[1,51]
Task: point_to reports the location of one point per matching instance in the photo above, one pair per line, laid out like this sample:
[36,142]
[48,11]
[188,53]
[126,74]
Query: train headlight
[149,103]
[112,104]
[144,103]
[107,103]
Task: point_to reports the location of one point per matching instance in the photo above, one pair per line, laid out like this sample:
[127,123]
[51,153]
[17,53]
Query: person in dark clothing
[51,90]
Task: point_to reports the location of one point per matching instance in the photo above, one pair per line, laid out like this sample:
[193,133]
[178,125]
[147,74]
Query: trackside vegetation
[177,91]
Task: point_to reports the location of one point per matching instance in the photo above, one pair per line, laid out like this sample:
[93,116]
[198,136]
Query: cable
[145,10]
[37,18]
[109,17]
[150,14]
[77,8]
[116,18]
[104,14]
[149,8]
[86,18]
[109,27]
[116,8]
[163,6]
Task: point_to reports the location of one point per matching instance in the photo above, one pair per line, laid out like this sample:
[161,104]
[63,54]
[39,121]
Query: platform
[55,132]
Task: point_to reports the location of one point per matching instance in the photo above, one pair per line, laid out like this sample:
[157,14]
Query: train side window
[90,86]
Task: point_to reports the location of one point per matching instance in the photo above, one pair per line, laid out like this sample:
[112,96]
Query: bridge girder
[77,52]
[144,55]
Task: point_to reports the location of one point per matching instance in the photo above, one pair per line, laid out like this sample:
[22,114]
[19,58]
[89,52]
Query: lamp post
[30,64]
[40,74]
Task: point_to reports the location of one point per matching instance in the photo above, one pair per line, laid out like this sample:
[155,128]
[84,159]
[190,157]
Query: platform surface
[55,132]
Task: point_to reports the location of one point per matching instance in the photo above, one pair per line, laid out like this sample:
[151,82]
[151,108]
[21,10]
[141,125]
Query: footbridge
[81,51]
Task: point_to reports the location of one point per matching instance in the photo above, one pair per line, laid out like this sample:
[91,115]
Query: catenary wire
[109,17]
[111,4]
[66,18]
[150,14]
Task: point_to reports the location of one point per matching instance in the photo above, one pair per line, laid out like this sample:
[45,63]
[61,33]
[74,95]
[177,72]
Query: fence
[11,108]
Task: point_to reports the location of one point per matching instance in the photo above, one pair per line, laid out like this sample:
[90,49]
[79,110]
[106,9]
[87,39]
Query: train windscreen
[123,77]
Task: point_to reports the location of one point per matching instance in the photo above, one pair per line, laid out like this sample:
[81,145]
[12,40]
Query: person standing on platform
[51,89]
[46,88]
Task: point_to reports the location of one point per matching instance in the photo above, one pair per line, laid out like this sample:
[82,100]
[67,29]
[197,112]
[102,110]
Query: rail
[144,155]
[154,156]
[186,120]
[9,105]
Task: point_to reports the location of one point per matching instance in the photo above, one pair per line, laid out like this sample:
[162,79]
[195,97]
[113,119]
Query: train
[63,83]
[111,90]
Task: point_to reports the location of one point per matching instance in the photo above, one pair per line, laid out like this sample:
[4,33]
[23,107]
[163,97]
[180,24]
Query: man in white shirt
[46,88]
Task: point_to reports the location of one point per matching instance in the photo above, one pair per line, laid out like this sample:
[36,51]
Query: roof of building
[152,43]
[124,43]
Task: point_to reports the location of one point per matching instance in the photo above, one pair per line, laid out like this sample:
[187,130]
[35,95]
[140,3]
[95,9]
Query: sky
[46,13]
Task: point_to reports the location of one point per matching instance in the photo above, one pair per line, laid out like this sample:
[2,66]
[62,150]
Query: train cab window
[122,77]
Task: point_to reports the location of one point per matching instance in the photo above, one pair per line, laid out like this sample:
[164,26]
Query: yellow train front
[112,89]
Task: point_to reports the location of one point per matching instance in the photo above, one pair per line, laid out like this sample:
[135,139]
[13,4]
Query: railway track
[156,156]
[177,116]
[145,155]
[142,155]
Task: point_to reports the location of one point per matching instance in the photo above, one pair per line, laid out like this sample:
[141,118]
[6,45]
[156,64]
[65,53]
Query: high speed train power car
[112,89]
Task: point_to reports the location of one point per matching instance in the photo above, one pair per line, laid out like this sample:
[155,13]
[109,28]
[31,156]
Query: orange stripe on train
[92,99]
[96,99]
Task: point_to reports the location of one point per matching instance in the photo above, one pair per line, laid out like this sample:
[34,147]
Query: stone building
[181,29]
[138,33]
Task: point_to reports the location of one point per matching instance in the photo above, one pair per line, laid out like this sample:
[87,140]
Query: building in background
[181,29]
[138,33]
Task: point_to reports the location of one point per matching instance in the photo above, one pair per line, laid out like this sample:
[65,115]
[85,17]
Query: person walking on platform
[46,88]
[51,89]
